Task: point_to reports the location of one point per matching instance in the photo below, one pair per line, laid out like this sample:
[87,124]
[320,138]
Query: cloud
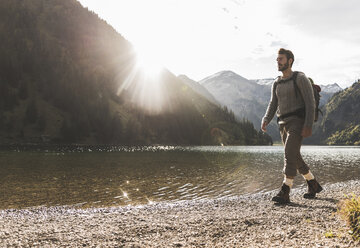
[238,2]
[258,50]
[275,41]
[332,19]
[225,10]
[278,43]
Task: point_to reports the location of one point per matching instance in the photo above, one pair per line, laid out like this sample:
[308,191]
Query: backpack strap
[294,76]
[276,82]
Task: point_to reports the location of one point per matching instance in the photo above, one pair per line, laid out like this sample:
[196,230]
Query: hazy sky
[201,37]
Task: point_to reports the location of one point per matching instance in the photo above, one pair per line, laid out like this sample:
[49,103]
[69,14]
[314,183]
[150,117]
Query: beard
[283,67]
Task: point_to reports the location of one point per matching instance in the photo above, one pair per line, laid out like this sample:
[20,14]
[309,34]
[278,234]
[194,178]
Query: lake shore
[244,221]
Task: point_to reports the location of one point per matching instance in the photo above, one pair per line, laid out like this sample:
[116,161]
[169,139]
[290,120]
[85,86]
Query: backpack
[316,90]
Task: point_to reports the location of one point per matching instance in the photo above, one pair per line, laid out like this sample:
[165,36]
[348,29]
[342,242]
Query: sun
[146,81]
[148,62]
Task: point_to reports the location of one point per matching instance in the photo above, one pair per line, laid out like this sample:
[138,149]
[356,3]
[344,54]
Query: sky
[198,38]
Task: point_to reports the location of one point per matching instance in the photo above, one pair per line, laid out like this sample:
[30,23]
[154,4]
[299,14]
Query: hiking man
[292,99]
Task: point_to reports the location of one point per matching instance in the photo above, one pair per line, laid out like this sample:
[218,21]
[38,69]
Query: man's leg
[313,186]
[283,195]
[293,161]
[294,142]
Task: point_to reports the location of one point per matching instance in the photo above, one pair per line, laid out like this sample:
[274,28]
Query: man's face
[283,62]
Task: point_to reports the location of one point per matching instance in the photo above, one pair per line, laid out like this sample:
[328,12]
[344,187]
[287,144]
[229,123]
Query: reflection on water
[123,176]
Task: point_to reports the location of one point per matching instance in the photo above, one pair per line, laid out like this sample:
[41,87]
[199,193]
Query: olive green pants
[291,137]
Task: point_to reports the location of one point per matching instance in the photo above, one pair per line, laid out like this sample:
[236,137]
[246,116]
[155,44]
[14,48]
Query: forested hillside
[340,124]
[66,76]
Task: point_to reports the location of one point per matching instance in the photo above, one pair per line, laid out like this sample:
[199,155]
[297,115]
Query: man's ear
[291,61]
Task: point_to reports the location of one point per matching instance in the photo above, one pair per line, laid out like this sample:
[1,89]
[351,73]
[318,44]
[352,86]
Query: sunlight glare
[145,81]
[148,91]
[148,61]
[149,201]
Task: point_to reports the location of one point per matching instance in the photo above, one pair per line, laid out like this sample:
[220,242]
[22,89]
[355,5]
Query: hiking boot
[313,188]
[283,196]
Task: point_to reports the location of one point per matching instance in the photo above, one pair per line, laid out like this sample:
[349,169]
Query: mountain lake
[118,176]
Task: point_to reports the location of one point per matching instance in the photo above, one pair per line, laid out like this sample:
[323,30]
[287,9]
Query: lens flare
[147,63]
[145,82]
[149,201]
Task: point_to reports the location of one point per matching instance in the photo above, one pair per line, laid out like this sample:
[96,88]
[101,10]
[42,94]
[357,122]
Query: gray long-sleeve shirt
[284,100]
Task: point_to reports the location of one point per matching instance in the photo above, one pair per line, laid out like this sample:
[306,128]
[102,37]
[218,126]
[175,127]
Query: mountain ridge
[249,98]
[197,87]
[66,76]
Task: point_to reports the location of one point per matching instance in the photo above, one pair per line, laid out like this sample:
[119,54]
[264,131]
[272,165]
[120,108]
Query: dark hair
[288,53]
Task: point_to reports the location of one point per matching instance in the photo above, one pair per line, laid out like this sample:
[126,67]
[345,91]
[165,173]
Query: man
[292,99]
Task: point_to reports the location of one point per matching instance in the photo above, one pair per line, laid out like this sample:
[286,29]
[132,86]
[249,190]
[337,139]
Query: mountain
[331,88]
[327,91]
[66,76]
[198,88]
[340,124]
[246,98]
[264,81]
[226,85]
[249,98]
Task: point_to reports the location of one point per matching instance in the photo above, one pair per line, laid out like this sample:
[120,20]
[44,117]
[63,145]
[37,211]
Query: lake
[114,176]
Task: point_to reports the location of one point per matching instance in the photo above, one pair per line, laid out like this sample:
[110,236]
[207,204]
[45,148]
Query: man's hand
[263,126]
[306,132]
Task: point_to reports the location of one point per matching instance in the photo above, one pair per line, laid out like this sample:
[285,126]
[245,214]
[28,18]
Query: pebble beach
[242,221]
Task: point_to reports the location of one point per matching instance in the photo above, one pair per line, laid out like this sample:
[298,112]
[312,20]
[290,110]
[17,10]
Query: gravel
[243,221]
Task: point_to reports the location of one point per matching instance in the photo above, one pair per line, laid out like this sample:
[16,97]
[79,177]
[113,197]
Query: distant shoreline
[101,147]
[243,221]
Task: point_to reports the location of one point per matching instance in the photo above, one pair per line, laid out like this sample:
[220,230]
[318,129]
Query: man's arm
[271,109]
